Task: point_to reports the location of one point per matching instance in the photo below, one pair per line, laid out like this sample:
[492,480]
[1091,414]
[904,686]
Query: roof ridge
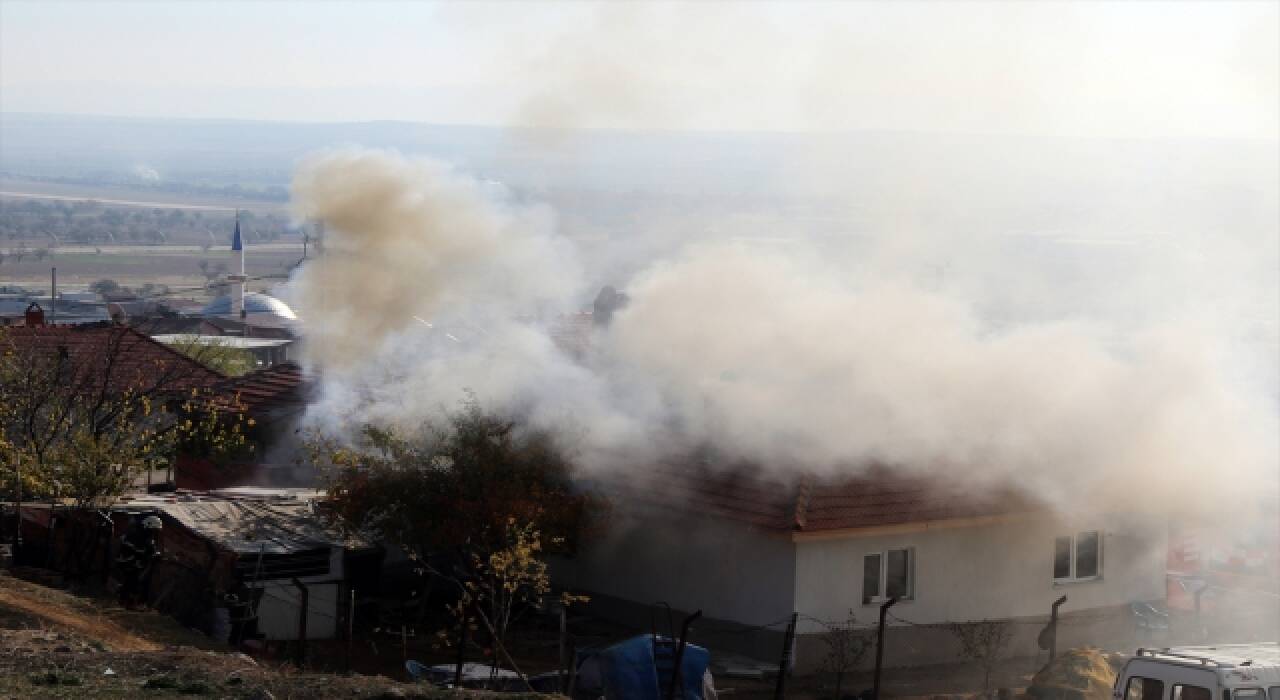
[109,327]
[804,491]
[183,357]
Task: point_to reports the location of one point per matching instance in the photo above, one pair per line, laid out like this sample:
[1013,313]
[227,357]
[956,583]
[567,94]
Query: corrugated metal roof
[253,524]
[250,527]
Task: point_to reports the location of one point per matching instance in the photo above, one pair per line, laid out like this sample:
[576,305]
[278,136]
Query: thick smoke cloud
[433,284]
[785,360]
[412,238]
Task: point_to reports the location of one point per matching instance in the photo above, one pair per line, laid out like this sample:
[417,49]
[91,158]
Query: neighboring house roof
[131,308]
[166,324]
[805,503]
[572,332]
[63,311]
[259,327]
[247,527]
[118,355]
[281,386]
[249,523]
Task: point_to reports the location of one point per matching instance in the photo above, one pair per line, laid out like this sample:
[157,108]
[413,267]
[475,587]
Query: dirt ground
[54,644]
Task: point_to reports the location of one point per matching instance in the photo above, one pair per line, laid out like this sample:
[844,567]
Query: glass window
[1191,692]
[1248,694]
[1077,557]
[1062,557]
[1087,555]
[1144,689]
[870,577]
[1274,692]
[898,574]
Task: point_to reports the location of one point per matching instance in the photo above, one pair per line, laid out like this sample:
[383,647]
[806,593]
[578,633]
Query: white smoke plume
[434,284]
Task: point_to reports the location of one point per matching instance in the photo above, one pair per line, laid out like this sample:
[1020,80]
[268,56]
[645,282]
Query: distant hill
[262,154]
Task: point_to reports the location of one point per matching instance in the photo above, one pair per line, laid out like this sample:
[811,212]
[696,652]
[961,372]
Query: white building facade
[832,552]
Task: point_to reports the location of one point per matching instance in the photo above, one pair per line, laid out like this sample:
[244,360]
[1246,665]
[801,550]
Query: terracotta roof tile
[115,354]
[809,504]
[882,498]
[731,495]
[281,386]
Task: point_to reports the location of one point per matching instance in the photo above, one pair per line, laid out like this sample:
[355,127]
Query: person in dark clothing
[139,548]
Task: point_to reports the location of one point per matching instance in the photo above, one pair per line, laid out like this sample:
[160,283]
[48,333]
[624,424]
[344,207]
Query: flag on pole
[235,240]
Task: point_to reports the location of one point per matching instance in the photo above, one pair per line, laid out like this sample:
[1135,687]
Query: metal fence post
[1053,627]
[884,611]
[351,626]
[560,670]
[784,663]
[302,624]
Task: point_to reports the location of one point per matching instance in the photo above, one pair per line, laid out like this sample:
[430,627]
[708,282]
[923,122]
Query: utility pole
[884,611]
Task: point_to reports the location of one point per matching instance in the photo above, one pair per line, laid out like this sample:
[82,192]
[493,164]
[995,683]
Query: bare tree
[847,645]
[983,642]
[83,412]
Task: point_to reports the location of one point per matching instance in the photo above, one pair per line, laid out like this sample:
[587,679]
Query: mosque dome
[254,303]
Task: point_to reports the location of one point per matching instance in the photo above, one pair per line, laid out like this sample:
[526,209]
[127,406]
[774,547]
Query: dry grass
[54,644]
[93,626]
[1086,673]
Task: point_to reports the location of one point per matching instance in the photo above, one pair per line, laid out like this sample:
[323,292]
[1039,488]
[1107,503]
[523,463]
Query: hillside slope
[55,644]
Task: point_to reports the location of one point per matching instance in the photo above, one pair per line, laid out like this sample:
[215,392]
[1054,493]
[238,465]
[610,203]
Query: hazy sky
[1111,69]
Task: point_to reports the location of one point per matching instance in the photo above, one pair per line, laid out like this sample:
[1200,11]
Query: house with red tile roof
[750,547]
[272,400]
[114,356]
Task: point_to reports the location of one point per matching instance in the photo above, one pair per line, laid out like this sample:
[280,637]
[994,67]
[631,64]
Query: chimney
[34,316]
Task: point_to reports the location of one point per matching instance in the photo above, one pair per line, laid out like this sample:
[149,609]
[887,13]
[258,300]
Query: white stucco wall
[282,603]
[728,570]
[998,570]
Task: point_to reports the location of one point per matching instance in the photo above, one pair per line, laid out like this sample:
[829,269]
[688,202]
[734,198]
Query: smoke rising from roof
[434,284]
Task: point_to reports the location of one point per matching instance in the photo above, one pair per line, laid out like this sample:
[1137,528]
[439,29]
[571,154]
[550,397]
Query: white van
[1225,672]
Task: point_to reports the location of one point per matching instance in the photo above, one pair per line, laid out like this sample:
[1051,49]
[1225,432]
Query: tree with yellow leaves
[83,412]
[478,502]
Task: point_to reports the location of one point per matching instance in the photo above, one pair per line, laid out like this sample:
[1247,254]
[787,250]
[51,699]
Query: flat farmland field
[132,266]
[22,188]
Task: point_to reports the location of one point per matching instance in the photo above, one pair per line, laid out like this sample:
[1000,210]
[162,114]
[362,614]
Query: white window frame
[1071,575]
[884,575]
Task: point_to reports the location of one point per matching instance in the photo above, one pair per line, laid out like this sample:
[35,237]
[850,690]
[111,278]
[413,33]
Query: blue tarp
[630,669]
